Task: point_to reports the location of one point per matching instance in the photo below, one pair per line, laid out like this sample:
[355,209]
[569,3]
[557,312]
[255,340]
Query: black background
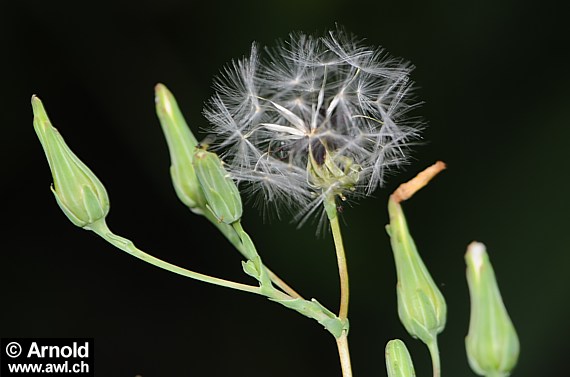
[494,78]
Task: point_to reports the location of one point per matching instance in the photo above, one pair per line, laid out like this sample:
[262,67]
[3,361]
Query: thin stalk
[101,229]
[435,362]
[342,341]
[344,355]
[281,284]
[340,258]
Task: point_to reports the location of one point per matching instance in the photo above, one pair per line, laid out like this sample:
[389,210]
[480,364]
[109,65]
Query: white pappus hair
[313,101]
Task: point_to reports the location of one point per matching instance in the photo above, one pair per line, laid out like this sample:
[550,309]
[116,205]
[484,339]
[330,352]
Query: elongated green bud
[221,193]
[492,343]
[421,306]
[181,144]
[398,360]
[79,193]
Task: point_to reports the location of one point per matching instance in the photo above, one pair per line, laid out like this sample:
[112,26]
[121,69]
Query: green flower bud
[492,343]
[181,144]
[421,306]
[221,193]
[77,190]
[398,360]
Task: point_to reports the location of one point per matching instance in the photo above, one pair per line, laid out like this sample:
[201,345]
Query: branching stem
[101,228]
[234,239]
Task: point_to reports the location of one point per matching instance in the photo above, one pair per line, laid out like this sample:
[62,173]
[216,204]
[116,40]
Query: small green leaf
[250,269]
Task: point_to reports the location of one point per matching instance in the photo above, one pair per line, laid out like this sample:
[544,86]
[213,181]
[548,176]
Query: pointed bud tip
[475,253]
[163,99]
[159,90]
[41,120]
[36,104]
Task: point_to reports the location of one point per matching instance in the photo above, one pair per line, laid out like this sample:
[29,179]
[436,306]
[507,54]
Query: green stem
[330,206]
[435,362]
[100,228]
[309,308]
[342,341]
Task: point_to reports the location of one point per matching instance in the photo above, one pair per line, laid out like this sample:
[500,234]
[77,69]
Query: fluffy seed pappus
[312,118]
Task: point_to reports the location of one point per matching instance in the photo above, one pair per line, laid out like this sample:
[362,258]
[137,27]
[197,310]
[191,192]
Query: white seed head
[313,117]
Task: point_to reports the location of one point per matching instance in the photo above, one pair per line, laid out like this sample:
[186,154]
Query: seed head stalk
[342,341]
[310,120]
[330,206]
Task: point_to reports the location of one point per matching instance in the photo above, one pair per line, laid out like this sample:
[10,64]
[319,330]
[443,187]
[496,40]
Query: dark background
[494,78]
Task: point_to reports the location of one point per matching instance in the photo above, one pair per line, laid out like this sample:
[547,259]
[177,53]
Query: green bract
[398,360]
[181,144]
[221,193]
[337,173]
[492,343]
[421,305]
[79,193]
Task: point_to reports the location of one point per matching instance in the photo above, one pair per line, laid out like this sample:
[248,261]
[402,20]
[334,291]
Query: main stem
[344,355]
[342,341]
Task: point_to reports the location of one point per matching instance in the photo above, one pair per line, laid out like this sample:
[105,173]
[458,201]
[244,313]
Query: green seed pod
[79,193]
[492,343]
[181,144]
[398,360]
[221,193]
[421,306]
